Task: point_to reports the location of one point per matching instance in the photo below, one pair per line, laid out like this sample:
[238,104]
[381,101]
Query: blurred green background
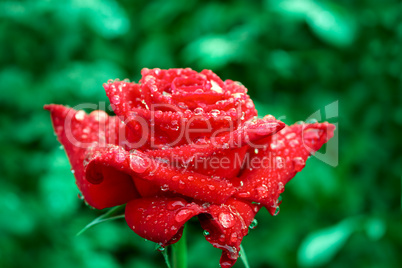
[295,57]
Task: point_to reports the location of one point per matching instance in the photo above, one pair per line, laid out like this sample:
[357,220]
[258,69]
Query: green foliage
[294,56]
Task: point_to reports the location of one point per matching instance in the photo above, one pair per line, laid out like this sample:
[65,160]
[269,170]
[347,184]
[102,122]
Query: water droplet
[280,163]
[215,113]
[253,224]
[181,184]
[256,150]
[211,187]
[293,143]
[233,237]
[165,187]
[215,87]
[137,163]
[205,233]
[175,178]
[73,171]
[237,95]
[190,178]
[244,195]
[298,163]
[262,191]
[232,112]
[115,99]
[290,136]
[312,133]
[280,186]
[311,121]
[80,115]
[225,146]
[226,219]
[276,211]
[158,114]
[160,248]
[183,215]
[61,147]
[198,111]
[182,105]
[120,157]
[299,122]
[173,205]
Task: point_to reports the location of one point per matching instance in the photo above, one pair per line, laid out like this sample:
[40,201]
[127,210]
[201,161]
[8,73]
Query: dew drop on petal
[298,163]
[312,134]
[80,115]
[198,111]
[137,163]
[280,186]
[262,191]
[226,219]
[183,215]
[165,187]
[233,237]
[290,136]
[215,87]
[120,157]
[211,187]
[205,233]
[293,143]
[115,99]
[158,114]
[253,224]
[173,205]
[215,112]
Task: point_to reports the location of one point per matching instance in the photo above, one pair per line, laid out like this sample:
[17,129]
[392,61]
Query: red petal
[77,131]
[284,154]
[139,165]
[160,220]
[247,134]
[159,104]
[226,226]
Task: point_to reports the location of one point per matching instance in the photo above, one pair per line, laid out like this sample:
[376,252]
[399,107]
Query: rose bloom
[184,144]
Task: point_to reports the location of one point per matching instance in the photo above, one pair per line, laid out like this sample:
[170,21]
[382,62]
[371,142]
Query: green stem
[179,252]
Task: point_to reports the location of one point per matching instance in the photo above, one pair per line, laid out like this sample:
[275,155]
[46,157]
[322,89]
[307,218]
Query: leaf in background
[106,17]
[319,247]
[375,228]
[213,51]
[332,24]
[113,214]
[243,257]
[329,22]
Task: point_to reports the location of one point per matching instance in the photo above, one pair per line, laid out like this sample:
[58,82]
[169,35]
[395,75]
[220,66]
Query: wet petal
[160,220]
[139,165]
[283,155]
[77,132]
[226,225]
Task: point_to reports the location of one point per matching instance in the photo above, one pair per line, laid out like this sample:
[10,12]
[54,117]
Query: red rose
[184,144]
